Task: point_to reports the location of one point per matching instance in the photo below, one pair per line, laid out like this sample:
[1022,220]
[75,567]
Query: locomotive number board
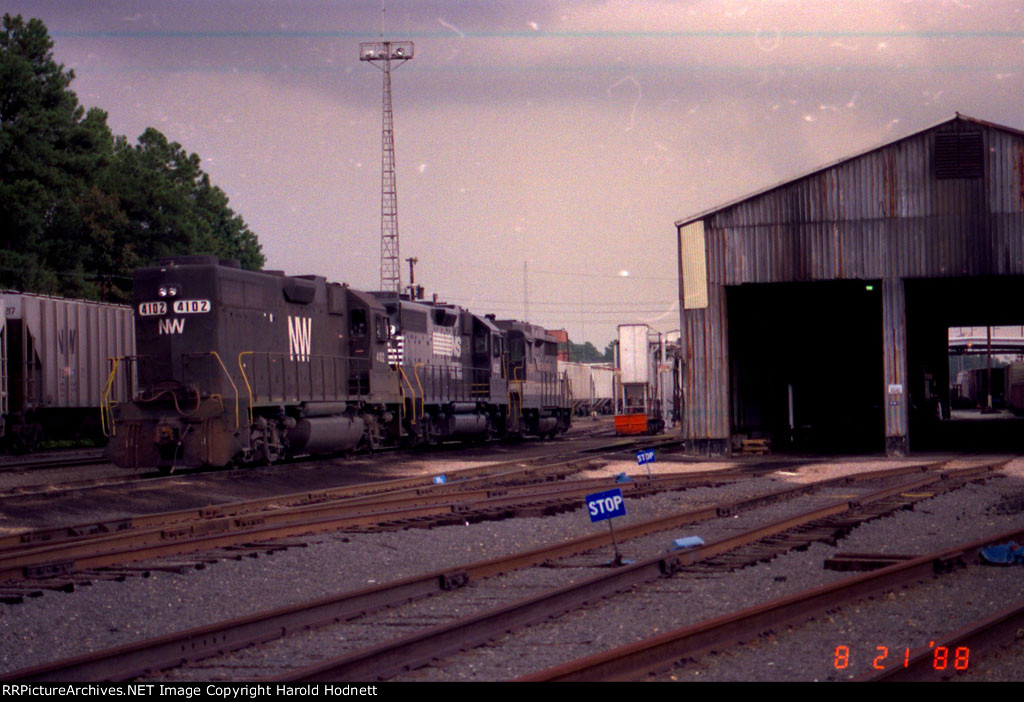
[191,306]
[153,309]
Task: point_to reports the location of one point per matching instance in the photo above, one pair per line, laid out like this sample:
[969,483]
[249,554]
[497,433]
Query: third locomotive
[237,366]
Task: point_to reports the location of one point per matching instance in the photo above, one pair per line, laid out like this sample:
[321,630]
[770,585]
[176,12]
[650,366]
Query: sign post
[606,505]
[645,457]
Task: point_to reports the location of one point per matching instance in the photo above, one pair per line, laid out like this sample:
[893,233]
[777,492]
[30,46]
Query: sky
[561,137]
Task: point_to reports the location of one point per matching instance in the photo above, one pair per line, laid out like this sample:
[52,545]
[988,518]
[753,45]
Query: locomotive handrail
[401,394]
[226,374]
[248,387]
[174,399]
[233,386]
[292,383]
[411,390]
[416,374]
[105,406]
[511,405]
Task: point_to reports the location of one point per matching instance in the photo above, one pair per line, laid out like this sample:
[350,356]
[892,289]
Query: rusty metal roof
[732,203]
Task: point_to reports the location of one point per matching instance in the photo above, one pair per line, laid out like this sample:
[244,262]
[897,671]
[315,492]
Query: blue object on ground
[1003,554]
[623,478]
[440,480]
[687,542]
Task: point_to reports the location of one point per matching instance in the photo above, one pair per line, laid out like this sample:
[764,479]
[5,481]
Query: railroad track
[388,659]
[234,635]
[125,477]
[63,459]
[950,654]
[655,654]
[486,492]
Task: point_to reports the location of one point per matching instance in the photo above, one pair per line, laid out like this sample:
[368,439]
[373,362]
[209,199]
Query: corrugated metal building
[816,311]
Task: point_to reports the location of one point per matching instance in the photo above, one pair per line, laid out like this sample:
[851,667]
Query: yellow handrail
[416,374]
[411,390]
[511,405]
[246,379]
[233,386]
[401,393]
[105,406]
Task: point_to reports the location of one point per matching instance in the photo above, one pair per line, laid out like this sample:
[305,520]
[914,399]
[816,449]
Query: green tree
[171,207]
[50,149]
[586,353]
[79,208]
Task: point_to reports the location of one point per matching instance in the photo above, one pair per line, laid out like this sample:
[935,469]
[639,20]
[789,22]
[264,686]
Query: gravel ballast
[111,613]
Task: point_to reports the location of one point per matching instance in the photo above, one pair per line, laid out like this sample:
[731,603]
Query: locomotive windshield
[358,323]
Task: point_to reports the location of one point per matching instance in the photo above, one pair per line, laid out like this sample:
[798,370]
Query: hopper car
[54,360]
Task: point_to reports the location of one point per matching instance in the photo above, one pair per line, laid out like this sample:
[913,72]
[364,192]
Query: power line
[572,274]
[564,303]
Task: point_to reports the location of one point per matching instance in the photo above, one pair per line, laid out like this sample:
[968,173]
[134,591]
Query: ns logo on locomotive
[236,366]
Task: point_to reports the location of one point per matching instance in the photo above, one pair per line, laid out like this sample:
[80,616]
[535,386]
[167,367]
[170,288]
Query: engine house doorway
[806,365]
[964,394]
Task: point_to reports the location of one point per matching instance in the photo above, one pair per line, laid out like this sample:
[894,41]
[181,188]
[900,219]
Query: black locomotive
[237,366]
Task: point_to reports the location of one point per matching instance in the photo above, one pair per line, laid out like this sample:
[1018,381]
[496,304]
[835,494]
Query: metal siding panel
[707,380]
[894,345]
[880,215]
[693,254]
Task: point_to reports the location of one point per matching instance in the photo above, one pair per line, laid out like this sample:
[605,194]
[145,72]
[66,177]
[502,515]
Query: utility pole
[383,54]
[526,296]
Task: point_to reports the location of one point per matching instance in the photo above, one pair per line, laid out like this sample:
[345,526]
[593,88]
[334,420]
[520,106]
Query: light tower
[382,54]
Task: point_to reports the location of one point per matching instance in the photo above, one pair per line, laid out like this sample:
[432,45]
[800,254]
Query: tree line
[81,208]
[588,353]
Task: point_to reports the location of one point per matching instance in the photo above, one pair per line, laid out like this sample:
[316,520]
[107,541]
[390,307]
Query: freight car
[238,366]
[592,386]
[973,388]
[53,356]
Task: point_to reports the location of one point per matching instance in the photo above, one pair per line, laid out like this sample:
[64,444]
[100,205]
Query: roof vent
[958,155]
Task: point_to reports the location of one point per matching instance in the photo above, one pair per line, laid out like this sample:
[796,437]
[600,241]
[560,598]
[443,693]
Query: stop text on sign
[644,457]
[605,505]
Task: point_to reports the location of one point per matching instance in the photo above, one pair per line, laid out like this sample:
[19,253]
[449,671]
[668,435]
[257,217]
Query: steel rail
[50,555]
[50,463]
[982,636]
[392,489]
[661,652]
[153,478]
[136,659]
[376,492]
[462,479]
[392,657]
[125,545]
[108,549]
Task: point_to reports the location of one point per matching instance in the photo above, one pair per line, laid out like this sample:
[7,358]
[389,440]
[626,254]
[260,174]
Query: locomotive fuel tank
[326,434]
